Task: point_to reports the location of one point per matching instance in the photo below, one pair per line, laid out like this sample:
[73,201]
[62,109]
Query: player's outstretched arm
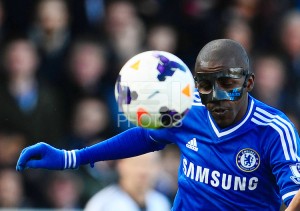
[295,203]
[133,142]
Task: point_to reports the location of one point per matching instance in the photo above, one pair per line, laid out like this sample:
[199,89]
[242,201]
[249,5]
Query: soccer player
[237,153]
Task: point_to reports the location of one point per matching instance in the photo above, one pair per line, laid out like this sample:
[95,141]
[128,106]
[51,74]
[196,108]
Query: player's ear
[250,82]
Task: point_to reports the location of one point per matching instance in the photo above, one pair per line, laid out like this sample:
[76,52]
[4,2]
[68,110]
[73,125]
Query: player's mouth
[220,111]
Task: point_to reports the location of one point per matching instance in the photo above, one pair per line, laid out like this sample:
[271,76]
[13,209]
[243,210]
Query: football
[155,89]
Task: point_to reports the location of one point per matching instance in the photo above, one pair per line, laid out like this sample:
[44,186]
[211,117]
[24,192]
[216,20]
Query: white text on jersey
[216,179]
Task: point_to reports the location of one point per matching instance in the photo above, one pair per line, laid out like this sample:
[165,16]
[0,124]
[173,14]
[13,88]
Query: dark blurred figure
[63,191]
[3,31]
[50,31]
[239,30]
[262,16]
[124,32]
[91,123]
[290,51]
[167,179]
[12,142]
[26,103]
[87,15]
[270,82]
[87,69]
[151,11]
[18,15]
[162,37]
[199,21]
[134,190]
[12,190]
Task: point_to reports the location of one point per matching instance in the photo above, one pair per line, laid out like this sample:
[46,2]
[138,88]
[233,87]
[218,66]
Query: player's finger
[26,155]
[19,167]
[34,164]
[20,163]
[23,150]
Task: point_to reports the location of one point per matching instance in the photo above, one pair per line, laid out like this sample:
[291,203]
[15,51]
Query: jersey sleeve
[133,142]
[285,160]
[162,136]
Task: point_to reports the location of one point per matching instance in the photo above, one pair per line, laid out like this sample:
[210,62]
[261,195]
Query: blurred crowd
[58,65]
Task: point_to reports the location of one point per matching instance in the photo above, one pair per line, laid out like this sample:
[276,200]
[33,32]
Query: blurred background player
[135,188]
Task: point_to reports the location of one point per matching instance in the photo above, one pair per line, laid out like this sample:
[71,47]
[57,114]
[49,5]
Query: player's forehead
[221,55]
[212,66]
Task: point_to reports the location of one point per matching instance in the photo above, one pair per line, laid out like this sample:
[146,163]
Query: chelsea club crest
[247,160]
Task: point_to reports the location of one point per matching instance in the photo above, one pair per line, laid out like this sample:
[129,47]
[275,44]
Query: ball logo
[167,67]
[247,160]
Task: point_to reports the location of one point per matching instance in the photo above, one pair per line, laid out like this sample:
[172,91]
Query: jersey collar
[220,133]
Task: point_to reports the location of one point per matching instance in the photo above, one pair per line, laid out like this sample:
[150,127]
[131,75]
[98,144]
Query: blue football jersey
[252,165]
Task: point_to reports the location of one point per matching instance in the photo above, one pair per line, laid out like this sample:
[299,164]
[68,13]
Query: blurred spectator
[2,20]
[87,69]
[96,178]
[12,141]
[63,190]
[50,31]
[198,22]
[12,190]
[240,31]
[85,73]
[87,15]
[290,40]
[168,177]
[27,104]
[134,190]
[290,43]
[150,10]
[162,37]
[270,81]
[124,32]
[91,121]
[262,17]
[245,9]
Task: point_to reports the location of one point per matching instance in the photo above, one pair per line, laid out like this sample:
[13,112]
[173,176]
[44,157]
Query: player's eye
[227,83]
[204,87]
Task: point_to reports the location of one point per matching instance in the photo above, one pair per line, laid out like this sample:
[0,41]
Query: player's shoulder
[198,110]
[267,116]
[268,111]
[197,100]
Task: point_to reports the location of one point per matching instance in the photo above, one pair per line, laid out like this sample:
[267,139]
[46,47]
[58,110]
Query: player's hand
[41,155]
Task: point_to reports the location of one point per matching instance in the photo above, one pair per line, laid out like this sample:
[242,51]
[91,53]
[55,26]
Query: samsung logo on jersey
[217,179]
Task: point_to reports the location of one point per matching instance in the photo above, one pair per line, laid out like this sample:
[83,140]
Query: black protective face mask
[211,86]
